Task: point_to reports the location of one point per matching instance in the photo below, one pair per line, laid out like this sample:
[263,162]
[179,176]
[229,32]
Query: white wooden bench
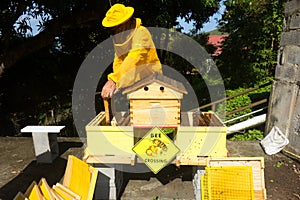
[44,141]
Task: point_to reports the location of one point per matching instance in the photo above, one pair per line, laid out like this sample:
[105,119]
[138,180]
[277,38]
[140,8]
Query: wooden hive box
[155,100]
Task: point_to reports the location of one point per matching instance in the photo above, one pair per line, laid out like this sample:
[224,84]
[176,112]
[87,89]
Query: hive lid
[158,78]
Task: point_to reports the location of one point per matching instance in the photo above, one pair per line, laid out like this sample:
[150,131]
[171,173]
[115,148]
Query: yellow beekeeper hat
[116,15]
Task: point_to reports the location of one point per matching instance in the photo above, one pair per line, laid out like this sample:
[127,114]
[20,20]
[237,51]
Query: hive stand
[44,141]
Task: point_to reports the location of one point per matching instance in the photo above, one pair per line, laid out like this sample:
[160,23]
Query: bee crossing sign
[156,149]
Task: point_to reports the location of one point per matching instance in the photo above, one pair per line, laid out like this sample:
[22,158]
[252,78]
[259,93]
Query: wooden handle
[106,107]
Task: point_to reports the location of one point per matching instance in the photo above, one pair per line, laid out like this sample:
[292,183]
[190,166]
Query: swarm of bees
[157,147]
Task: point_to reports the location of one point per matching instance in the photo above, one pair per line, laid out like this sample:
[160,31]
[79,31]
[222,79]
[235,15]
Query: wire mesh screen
[227,183]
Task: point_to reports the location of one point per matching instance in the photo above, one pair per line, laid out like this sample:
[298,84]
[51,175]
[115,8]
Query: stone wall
[284,106]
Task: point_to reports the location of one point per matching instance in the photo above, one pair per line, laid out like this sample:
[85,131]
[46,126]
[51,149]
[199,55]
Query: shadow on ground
[169,175]
[35,171]
[19,169]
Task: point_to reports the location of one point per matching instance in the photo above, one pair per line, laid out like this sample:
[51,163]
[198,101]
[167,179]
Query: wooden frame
[20,196]
[34,192]
[80,178]
[257,164]
[46,190]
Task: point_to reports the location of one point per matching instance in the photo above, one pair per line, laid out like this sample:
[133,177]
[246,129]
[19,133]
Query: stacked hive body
[155,101]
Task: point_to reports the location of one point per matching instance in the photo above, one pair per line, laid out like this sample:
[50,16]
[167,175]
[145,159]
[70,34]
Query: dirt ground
[282,178]
[282,173]
[19,169]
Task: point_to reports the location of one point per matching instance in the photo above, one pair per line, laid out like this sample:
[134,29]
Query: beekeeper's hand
[108,89]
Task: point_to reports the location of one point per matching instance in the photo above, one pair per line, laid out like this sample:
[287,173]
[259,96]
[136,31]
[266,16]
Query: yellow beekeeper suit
[136,57]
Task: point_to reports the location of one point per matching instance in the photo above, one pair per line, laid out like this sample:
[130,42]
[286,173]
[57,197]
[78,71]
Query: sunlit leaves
[250,52]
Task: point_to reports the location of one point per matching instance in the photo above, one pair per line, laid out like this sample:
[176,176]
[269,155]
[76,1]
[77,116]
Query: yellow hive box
[198,137]
[108,140]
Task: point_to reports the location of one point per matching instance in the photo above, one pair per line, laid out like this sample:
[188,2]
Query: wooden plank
[125,121]
[120,117]
[205,119]
[196,120]
[63,194]
[106,107]
[217,121]
[114,159]
[34,192]
[46,189]
[68,171]
[202,121]
[158,79]
[157,102]
[192,161]
[158,111]
[214,121]
[248,106]
[97,120]
[209,116]
[68,191]
[56,196]
[209,119]
[20,196]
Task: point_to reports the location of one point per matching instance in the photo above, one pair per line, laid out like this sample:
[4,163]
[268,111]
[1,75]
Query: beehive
[155,100]
[198,137]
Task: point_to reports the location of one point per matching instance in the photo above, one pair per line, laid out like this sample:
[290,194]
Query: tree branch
[46,37]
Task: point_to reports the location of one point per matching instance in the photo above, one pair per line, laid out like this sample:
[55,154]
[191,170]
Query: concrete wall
[284,106]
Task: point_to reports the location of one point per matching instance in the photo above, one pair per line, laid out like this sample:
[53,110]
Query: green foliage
[39,71]
[244,100]
[53,111]
[249,53]
[155,197]
[237,102]
[278,164]
[168,130]
[253,134]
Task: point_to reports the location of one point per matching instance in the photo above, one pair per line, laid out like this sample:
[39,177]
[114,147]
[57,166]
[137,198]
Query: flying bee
[160,144]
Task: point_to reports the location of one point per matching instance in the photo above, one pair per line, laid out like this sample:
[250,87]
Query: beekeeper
[135,53]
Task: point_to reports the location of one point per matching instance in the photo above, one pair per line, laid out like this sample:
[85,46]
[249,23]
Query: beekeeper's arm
[124,72]
[121,68]
[124,67]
